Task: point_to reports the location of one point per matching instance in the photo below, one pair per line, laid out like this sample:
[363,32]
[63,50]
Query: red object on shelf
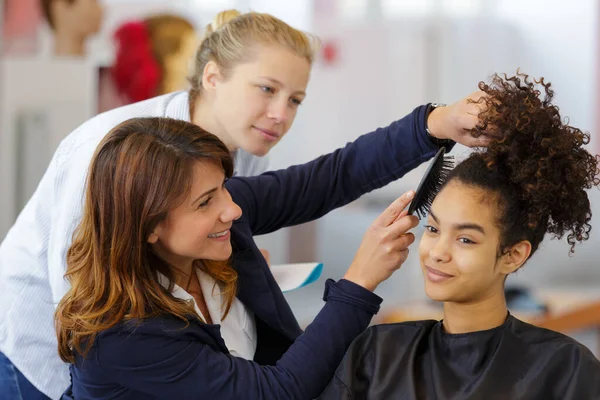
[330,52]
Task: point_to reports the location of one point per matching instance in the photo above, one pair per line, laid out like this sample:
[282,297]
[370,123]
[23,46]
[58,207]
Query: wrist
[434,125]
[360,281]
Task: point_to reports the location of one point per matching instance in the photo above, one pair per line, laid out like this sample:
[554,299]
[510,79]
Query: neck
[203,115]
[478,316]
[183,274]
[67,44]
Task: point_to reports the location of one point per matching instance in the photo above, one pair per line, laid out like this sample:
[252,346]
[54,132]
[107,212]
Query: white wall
[54,96]
[384,73]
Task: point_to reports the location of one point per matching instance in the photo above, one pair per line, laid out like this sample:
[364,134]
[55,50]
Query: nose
[440,251]
[231,211]
[279,110]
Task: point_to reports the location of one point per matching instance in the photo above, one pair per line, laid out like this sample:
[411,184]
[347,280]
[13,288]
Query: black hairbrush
[431,183]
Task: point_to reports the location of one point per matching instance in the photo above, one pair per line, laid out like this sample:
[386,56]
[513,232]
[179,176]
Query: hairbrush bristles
[431,183]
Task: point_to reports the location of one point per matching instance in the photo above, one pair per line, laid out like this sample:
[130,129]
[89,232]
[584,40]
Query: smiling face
[256,102]
[459,249]
[198,229]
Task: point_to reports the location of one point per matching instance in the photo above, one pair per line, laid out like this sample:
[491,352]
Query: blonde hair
[166,34]
[229,38]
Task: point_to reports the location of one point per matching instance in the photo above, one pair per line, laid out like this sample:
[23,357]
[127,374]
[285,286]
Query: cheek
[245,108]
[424,246]
[474,265]
[190,229]
[291,119]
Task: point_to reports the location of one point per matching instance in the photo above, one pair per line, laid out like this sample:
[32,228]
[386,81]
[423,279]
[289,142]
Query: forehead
[458,203]
[206,175]
[277,62]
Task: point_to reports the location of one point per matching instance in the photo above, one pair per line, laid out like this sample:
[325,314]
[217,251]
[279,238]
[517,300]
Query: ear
[210,75]
[155,235]
[515,257]
[153,238]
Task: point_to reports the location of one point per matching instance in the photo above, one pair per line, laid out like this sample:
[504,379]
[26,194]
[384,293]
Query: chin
[258,146]
[261,149]
[436,294]
[223,256]
[217,254]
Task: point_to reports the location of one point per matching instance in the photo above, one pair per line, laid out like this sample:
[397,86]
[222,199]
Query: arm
[32,244]
[67,199]
[306,192]
[192,369]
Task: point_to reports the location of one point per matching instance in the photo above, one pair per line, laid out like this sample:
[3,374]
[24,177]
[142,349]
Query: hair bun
[220,20]
[539,153]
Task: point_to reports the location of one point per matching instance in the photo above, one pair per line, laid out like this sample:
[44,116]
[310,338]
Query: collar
[178,106]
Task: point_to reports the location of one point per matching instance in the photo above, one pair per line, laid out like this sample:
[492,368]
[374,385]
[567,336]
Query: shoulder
[85,138]
[402,332]
[165,335]
[380,348]
[160,329]
[552,342]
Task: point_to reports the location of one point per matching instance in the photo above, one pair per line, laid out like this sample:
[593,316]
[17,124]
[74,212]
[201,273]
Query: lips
[267,133]
[218,234]
[437,276]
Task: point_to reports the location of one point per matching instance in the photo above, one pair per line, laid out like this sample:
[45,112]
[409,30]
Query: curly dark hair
[536,166]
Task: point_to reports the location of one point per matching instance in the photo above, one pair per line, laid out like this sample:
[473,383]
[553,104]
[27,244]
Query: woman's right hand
[384,246]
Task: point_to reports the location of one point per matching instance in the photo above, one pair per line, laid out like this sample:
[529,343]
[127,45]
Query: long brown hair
[142,169]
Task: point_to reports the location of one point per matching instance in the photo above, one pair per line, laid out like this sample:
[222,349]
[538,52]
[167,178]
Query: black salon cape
[418,360]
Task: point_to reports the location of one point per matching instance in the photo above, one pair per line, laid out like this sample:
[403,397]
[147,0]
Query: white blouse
[238,329]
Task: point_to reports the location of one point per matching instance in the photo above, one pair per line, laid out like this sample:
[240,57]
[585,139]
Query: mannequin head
[153,55]
[174,42]
[73,22]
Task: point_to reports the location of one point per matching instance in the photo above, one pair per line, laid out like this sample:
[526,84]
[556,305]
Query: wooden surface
[570,310]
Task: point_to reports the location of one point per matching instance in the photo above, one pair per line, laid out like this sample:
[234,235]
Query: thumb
[390,214]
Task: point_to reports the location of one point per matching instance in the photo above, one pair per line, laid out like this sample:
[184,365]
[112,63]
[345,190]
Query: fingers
[481,141]
[390,214]
[403,257]
[400,258]
[402,214]
[405,241]
[402,225]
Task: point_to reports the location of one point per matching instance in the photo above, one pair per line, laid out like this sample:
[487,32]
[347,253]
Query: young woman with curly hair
[487,221]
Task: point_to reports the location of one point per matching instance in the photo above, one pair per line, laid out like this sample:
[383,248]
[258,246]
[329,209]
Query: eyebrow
[461,227]
[302,92]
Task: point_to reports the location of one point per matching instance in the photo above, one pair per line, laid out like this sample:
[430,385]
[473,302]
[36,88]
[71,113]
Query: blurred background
[379,59]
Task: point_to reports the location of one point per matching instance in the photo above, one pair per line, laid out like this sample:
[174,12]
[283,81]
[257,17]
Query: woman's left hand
[456,121]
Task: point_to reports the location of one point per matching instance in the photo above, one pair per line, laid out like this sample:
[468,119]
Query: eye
[205,203]
[296,102]
[431,229]
[466,241]
[267,89]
